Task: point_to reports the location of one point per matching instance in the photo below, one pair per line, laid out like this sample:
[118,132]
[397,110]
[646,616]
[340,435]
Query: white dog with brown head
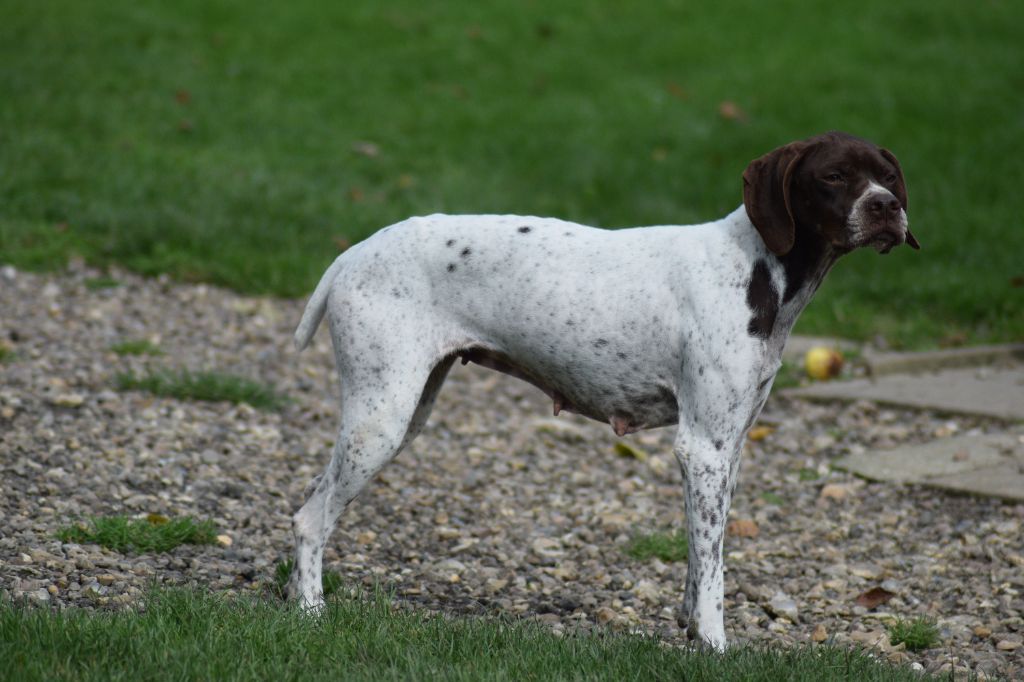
[639,328]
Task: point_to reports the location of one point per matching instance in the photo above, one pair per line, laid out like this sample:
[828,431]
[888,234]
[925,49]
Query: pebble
[834,491]
[781,605]
[68,400]
[497,508]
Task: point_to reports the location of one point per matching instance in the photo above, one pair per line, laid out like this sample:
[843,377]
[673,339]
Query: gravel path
[497,507]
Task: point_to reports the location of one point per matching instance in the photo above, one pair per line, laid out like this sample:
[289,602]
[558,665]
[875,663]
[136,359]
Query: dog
[640,328]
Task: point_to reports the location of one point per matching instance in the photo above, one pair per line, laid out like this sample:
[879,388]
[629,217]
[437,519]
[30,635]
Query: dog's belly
[629,399]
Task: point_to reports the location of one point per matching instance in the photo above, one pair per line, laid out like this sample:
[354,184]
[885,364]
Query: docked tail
[316,306]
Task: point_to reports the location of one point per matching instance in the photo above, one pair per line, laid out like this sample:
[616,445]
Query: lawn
[246,143]
[189,635]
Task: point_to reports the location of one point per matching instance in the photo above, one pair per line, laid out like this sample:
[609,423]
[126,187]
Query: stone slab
[879,363]
[986,391]
[989,465]
[1005,482]
[941,457]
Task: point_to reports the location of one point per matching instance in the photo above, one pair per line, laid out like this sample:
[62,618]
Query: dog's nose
[884,206]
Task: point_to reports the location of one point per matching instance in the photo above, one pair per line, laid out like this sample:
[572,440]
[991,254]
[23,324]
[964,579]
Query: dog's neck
[803,268]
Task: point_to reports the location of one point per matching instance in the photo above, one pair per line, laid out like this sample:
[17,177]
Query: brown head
[847,191]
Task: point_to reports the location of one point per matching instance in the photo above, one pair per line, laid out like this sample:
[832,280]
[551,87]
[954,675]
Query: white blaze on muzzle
[881,232]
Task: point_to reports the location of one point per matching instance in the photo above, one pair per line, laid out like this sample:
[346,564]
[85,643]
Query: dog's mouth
[884,242]
[884,239]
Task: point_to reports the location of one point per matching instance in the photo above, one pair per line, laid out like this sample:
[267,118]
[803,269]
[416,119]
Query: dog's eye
[890,179]
[834,176]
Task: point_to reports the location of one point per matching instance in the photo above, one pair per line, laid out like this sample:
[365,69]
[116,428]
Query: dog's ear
[900,190]
[766,190]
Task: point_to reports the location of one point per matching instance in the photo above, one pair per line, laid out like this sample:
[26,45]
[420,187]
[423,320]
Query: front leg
[709,465]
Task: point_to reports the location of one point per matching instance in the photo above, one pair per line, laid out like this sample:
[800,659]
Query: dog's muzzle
[884,223]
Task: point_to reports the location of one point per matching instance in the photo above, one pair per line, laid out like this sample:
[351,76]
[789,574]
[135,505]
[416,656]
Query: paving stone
[990,465]
[987,391]
[1005,481]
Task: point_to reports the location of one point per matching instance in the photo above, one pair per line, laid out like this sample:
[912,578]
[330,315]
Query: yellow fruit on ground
[823,363]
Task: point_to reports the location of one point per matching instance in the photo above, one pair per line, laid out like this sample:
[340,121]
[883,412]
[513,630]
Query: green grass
[97,283]
[183,635]
[808,474]
[665,546]
[224,141]
[213,386]
[136,347]
[330,580]
[790,375]
[773,498]
[6,352]
[918,634]
[140,536]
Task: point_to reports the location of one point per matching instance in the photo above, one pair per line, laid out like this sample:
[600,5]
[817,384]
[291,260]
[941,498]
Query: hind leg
[419,419]
[382,411]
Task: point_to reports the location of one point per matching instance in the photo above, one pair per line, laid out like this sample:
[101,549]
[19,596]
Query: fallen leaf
[874,597]
[342,243]
[731,111]
[953,340]
[157,519]
[367,149]
[627,450]
[355,195]
[1017,281]
[676,90]
[760,432]
[820,634]
[224,540]
[183,97]
[872,639]
[743,528]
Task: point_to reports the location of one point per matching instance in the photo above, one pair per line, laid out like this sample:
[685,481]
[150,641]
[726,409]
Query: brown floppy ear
[766,185]
[900,191]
